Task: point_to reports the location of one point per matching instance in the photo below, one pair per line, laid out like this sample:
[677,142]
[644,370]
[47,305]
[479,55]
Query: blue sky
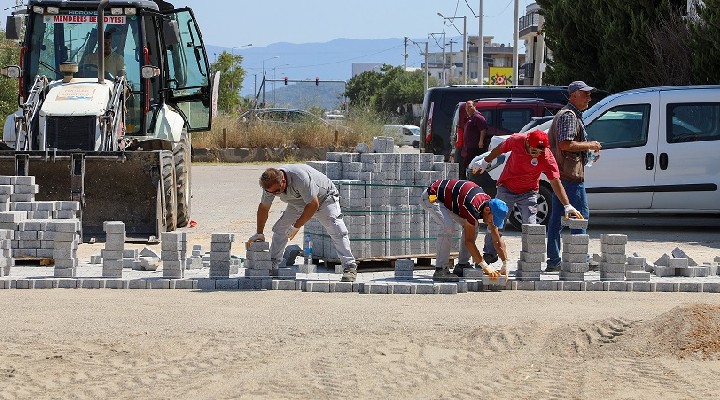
[260,23]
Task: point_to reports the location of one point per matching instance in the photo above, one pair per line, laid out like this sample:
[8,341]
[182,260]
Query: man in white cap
[570,146]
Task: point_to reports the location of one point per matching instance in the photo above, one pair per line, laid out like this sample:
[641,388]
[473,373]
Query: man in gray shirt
[308,193]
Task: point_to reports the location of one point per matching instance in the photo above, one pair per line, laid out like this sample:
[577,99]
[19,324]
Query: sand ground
[91,344]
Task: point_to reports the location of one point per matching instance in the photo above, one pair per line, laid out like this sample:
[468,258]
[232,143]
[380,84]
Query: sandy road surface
[513,344]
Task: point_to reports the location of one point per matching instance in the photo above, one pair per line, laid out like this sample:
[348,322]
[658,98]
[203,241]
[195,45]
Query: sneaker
[458,270]
[349,275]
[553,268]
[490,258]
[444,275]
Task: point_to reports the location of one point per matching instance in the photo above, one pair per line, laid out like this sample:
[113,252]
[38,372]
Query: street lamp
[263,77]
[465,58]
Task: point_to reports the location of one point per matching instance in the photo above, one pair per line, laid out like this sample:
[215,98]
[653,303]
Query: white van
[405,135]
[661,153]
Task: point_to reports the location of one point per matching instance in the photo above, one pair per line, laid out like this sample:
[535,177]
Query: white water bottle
[592,155]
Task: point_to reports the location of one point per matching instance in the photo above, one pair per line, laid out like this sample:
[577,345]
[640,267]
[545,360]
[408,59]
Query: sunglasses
[279,190]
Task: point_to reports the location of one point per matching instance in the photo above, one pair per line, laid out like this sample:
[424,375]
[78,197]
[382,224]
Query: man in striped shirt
[453,201]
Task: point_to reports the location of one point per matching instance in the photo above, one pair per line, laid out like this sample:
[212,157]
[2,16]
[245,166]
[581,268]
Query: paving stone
[472,286]
[573,286]
[445,288]
[666,287]
[400,288]
[187,284]
[574,257]
[529,268]
[613,238]
[342,287]
[527,276]
[158,284]
[574,223]
[316,286]
[425,288]
[116,284]
[546,285]
[92,284]
[575,248]
[713,287]
[575,239]
[614,258]
[534,229]
[67,283]
[532,257]
[612,276]
[524,285]
[612,268]
[45,283]
[690,287]
[206,284]
[226,284]
[536,248]
[641,286]
[278,284]
[692,272]
[661,271]
[137,284]
[637,276]
[612,248]
[615,286]
[572,276]
[594,286]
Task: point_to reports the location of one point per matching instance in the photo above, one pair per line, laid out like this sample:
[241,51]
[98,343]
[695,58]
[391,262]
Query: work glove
[487,271]
[504,270]
[480,166]
[258,237]
[291,232]
[571,212]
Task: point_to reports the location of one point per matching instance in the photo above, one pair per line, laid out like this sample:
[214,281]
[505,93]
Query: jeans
[329,216]
[526,202]
[578,199]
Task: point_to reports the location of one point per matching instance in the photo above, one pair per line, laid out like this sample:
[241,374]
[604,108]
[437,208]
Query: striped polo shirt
[463,198]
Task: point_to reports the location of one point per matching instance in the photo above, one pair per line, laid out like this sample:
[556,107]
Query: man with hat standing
[452,201]
[519,183]
[570,146]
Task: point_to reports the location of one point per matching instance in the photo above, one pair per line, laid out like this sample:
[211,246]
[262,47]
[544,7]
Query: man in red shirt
[452,201]
[519,181]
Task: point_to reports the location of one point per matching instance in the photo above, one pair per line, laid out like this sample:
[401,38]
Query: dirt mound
[685,331]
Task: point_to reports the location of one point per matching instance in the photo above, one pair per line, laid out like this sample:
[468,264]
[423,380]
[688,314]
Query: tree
[604,42]
[705,43]
[9,55]
[232,76]
[386,90]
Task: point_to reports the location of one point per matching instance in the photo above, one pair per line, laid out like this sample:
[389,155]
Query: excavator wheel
[182,153]
[169,191]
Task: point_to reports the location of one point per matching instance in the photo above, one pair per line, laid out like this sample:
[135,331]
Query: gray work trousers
[446,221]
[526,202]
[330,216]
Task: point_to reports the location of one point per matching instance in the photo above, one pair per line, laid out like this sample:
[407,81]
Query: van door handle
[663,161]
[649,161]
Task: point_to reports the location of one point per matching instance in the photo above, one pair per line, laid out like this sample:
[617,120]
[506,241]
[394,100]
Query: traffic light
[317,81]
[286,81]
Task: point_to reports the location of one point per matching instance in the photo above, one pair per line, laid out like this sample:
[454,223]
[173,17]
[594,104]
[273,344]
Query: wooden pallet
[375,264]
[34,261]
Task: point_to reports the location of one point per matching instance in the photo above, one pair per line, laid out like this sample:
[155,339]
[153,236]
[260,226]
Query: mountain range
[328,61]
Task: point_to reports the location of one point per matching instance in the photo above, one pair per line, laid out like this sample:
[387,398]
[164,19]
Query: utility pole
[465,53]
[539,54]
[406,54]
[516,28]
[481,46]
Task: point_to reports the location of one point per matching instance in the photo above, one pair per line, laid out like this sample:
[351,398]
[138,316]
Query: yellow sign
[501,76]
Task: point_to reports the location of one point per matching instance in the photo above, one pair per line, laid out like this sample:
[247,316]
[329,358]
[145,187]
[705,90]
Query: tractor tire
[169,191]
[544,207]
[182,154]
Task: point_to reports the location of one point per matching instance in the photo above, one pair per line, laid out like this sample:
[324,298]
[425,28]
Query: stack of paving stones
[404,268]
[112,254]
[6,256]
[195,260]
[65,236]
[257,260]
[220,248]
[380,196]
[173,253]
[574,263]
[635,270]
[532,253]
[613,258]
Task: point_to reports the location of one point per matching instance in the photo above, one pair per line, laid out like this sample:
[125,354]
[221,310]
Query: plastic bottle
[307,249]
[592,155]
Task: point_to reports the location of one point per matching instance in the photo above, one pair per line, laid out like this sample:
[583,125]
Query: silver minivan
[660,153]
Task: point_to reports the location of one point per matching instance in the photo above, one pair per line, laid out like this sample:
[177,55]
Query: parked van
[659,154]
[440,102]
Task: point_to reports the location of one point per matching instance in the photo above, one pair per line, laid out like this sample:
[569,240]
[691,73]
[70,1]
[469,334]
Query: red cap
[537,139]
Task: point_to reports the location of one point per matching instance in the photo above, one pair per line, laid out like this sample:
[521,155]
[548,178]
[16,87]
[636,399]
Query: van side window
[691,122]
[512,120]
[621,127]
[489,115]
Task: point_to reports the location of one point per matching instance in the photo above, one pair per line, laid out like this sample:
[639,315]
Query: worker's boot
[458,270]
[349,274]
[444,275]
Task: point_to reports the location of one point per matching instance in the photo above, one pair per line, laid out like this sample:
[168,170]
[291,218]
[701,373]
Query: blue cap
[499,211]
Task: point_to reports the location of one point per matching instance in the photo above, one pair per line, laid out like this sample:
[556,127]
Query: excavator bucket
[110,186]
